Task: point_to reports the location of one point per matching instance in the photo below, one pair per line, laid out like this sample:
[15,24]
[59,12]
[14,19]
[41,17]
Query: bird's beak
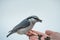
[40,20]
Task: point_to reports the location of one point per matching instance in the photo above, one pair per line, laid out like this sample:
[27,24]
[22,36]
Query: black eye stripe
[36,18]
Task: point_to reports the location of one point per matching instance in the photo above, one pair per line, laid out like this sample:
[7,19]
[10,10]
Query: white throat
[33,20]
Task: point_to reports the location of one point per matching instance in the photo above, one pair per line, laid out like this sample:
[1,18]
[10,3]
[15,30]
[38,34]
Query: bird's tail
[9,34]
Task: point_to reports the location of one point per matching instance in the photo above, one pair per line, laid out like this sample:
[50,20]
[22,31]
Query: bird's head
[34,19]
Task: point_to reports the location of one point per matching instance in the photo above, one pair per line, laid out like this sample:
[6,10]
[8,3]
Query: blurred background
[13,12]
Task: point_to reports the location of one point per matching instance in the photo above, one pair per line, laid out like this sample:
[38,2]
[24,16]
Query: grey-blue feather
[25,23]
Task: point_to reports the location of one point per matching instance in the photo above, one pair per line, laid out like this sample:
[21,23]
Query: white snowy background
[13,12]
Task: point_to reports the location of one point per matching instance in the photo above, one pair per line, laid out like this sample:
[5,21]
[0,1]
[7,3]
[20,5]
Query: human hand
[53,35]
[33,35]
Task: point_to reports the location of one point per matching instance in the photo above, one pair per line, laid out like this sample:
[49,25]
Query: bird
[25,26]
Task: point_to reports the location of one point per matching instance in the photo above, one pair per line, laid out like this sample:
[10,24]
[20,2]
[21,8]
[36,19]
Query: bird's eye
[36,18]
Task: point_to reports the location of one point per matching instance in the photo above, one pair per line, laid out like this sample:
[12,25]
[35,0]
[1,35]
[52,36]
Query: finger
[30,33]
[33,33]
[52,34]
[33,38]
[39,33]
[48,32]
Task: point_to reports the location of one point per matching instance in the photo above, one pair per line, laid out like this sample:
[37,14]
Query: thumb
[48,32]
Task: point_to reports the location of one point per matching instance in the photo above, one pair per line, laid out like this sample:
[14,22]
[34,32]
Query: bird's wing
[25,23]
